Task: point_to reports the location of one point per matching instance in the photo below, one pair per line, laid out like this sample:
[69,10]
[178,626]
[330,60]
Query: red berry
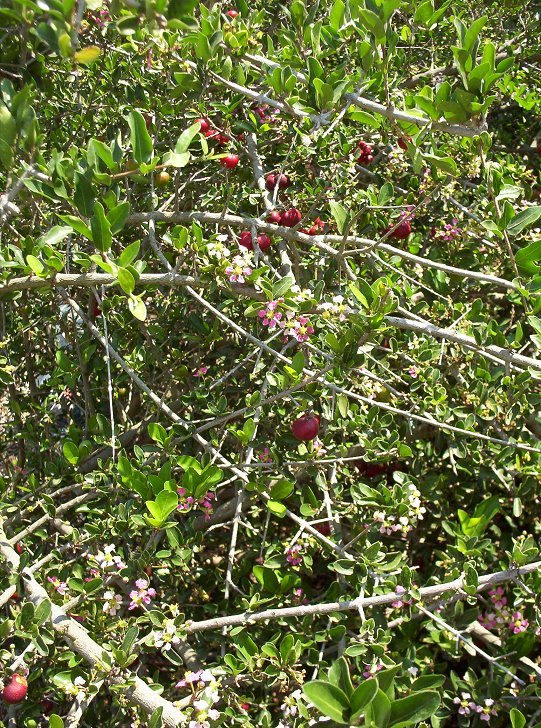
[275,217]
[222,139]
[204,125]
[324,528]
[15,690]
[291,217]
[305,428]
[402,142]
[230,162]
[280,180]
[245,240]
[46,705]
[18,548]
[402,231]
[232,13]
[371,470]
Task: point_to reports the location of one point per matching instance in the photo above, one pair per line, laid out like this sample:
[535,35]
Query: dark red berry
[291,217]
[230,162]
[275,217]
[15,690]
[204,125]
[245,239]
[305,428]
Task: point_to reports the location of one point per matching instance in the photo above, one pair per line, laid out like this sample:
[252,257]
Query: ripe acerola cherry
[324,528]
[275,217]
[204,125]
[281,181]
[402,142]
[15,690]
[402,231]
[245,239]
[291,217]
[162,179]
[305,428]
[366,153]
[232,13]
[230,162]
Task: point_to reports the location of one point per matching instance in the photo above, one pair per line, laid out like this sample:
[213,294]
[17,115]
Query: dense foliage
[270,298]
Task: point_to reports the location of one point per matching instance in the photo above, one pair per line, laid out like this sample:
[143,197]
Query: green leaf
[339,676]
[161,508]
[517,719]
[137,307]
[279,509]
[140,139]
[281,287]
[55,721]
[446,164]
[523,220]
[343,404]
[84,195]
[87,56]
[35,264]
[101,230]
[55,235]
[8,134]
[117,217]
[378,711]
[423,12]
[328,699]
[339,214]
[129,254]
[126,280]
[186,138]
[43,612]
[178,161]
[267,578]
[362,697]
[157,432]
[78,225]
[414,708]
[373,23]
[527,257]
[71,452]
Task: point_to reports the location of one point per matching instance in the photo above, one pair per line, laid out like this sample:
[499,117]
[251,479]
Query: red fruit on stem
[15,690]
[371,470]
[291,217]
[275,217]
[324,528]
[47,706]
[232,13]
[402,142]
[204,125]
[281,181]
[305,428]
[230,162]
[222,139]
[402,231]
[245,240]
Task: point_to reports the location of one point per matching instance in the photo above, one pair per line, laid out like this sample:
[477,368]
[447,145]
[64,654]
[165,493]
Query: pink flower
[200,372]
[371,670]
[270,316]
[239,269]
[264,455]
[299,328]
[142,595]
[413,372]
[518,623]
[292,555]
[467,706]
[486,710]
[60,586]
[400,602]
